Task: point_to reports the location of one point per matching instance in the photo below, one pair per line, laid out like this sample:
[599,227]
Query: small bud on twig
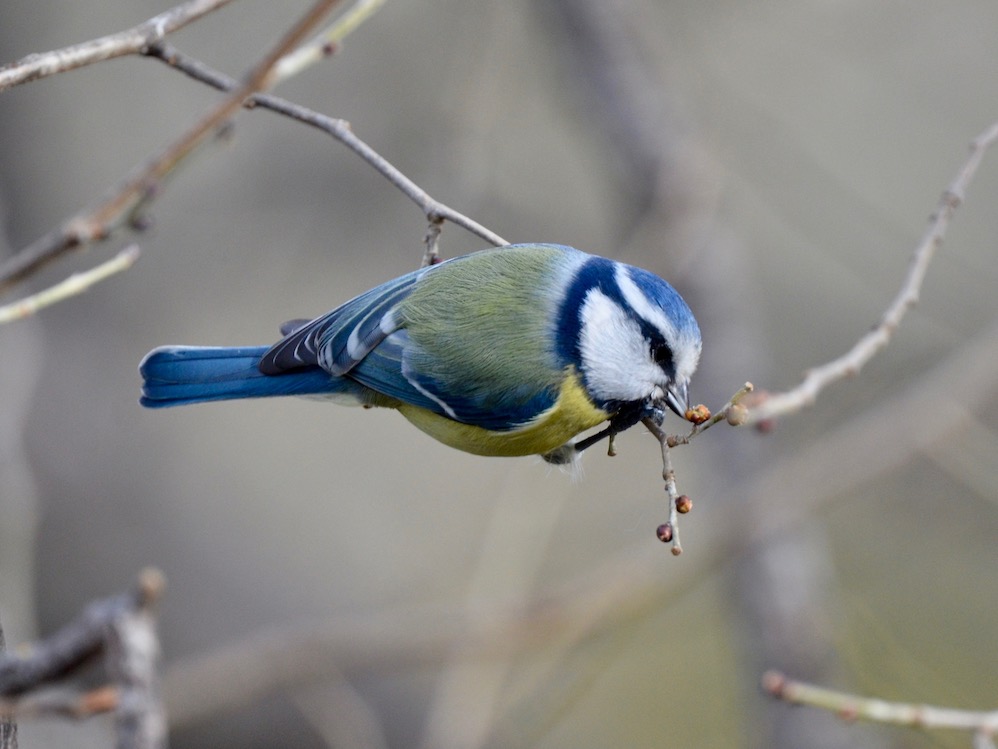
[664,532]
[698,414]
[736,415]
[683,504]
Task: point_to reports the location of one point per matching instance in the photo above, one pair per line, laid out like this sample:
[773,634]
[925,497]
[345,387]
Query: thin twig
[818,378]
[128,199]
[856,707]
[327,42]
[668,532]
[727,412]
[129,42]
[681,504]
[434,211]
[75,284]
[432,243]
[669,475]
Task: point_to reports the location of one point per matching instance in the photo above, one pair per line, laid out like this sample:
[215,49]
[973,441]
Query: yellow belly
[571,414]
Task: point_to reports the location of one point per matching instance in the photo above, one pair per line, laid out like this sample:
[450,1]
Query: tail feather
[178,375]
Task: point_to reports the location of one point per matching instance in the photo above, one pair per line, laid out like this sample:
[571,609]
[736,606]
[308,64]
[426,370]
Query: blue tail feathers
[178,375]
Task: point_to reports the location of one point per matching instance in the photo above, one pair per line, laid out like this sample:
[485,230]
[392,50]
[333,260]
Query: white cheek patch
[685,351]
[615,356]
[686,362]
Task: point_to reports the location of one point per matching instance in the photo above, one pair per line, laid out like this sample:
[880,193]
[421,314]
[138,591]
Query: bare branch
[126,201]
[872,343]
[75,284]
[432,242]
[856,707]
[734,412]
[129,42]
[679,504]
[434,211]
[667,532]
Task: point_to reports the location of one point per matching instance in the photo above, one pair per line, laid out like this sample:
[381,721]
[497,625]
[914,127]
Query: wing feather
[340,339]
[488,365]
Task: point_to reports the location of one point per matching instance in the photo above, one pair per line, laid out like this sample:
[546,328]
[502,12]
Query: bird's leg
[622,420]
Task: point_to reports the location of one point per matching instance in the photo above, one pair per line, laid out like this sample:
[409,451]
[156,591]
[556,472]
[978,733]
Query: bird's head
[633,338]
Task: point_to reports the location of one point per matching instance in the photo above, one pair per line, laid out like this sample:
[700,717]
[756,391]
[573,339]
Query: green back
[484,326]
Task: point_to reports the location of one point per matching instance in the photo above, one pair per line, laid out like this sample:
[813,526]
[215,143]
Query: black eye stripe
[595,274]
[661,352]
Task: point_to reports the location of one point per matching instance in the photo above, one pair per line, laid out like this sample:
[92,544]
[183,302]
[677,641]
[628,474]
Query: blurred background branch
[75,284]
[982,725]
[122,630]
[129,42]
[134,194]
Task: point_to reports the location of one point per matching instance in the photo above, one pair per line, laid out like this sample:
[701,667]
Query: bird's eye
[662,355]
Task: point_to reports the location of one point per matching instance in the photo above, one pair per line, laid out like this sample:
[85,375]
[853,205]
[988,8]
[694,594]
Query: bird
[508,351]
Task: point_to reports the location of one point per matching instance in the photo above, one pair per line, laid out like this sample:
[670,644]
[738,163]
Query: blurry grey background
[802,147]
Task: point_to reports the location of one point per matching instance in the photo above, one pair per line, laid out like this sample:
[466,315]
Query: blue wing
[360,340]
[339,340]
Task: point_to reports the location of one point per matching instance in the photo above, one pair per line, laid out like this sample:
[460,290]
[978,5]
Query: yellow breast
[571,414]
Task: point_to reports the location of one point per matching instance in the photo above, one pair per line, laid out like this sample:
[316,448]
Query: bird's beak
[677,397]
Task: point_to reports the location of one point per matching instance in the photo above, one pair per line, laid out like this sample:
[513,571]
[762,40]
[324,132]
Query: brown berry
[664,532]
[698,414]
[683,504]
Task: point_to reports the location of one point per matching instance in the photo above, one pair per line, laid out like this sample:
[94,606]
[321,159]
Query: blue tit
[510,351]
